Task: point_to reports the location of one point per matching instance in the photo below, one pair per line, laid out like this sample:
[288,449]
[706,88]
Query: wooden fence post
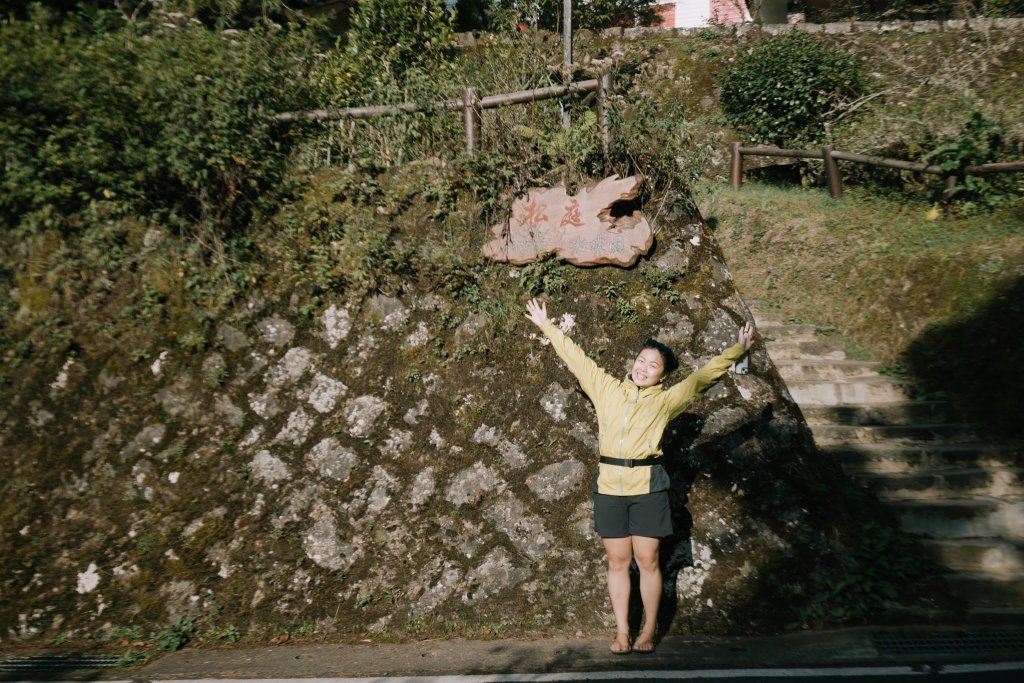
[472,118]
[604,87]
[949,191]
[736,166]
[835,181]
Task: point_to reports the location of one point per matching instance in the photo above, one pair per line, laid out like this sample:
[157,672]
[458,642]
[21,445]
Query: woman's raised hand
[746,336]
[536,312]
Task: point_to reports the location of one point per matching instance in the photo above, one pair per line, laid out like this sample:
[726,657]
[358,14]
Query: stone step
[907,615]
[765,316]
[907,412]
[921,457]
[829,434]
[963,518]
[773,332]
[992,616]
[805,350]
[935,485]
[987,556]
[828,370]
[860,391]
[986,590]
[965,496]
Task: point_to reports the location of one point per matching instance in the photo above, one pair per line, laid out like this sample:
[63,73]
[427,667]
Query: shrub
[870,10]
[789,88]
[981,141]
[586,14]
[391,37]
[156,118]
[1003,8]
[396,51]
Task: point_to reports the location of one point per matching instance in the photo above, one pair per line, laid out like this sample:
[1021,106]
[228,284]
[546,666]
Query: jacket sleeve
[696,384]
[595,382]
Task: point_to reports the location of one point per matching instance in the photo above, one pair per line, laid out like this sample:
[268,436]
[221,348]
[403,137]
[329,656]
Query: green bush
[788,89]
[175,636]
[396,51]
[981,141]
[587,14]
[389,38]
[390,43]
[880,567]
[871,10]
[159,118]
[1003,8]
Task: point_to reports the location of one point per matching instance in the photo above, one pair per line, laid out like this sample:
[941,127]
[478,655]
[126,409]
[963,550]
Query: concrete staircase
[949,483]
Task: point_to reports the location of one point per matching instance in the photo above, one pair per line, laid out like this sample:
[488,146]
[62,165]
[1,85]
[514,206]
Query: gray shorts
[619,516]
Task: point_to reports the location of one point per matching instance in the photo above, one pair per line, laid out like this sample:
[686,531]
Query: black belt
[648,462]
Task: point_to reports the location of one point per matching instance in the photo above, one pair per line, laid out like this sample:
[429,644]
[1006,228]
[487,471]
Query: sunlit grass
[877,269]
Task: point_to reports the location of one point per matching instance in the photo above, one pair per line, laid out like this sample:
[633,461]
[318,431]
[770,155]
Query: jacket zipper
[622,439]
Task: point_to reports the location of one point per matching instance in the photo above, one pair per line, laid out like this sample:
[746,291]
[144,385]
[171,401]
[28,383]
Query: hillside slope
[937,300]
[407,462]
[334,421]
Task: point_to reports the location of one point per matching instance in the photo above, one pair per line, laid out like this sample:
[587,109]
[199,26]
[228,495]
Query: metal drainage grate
[48,663]
[948,643]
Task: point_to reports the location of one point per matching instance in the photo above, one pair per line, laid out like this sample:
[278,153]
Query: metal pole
[566,54]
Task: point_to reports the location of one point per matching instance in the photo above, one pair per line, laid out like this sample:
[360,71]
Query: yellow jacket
[631,420]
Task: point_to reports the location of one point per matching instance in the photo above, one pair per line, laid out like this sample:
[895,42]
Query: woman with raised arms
[631,507]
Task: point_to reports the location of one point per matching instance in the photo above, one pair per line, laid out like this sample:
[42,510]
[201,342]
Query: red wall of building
[727,11]
[666,14]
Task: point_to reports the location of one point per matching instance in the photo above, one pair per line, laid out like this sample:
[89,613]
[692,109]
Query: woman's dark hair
[668,357]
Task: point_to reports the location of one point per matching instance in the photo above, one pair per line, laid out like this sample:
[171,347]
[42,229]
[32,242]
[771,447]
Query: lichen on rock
[361,414]
[469,485]
[393,459]
[557,480]
[331,460]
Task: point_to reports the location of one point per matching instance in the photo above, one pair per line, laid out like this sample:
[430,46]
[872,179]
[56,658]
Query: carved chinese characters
[582,229]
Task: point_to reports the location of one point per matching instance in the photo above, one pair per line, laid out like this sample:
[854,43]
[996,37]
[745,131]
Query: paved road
[1005,672]
[857,654]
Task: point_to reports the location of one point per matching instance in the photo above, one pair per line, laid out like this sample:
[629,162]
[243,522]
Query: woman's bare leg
[619,552]
[645,550]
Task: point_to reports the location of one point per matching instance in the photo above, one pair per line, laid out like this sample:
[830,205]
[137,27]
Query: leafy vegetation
[981,141]
[867,575]
[504,15]
[175,636]
[147,196]
[391,39]
[790,89]
[869,10]
[158,118]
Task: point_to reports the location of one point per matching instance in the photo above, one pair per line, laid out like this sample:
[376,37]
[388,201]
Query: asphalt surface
[851,654]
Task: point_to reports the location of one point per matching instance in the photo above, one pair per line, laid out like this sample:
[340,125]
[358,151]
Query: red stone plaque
[581,228]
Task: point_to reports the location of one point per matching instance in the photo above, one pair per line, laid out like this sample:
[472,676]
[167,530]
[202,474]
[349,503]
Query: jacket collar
[644,393]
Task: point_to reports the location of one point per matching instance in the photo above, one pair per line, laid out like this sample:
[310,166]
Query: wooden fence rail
[472,106]
[835,182]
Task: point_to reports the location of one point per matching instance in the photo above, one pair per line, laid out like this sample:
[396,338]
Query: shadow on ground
[978,362]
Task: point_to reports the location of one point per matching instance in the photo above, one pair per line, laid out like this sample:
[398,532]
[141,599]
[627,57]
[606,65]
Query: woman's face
[648,368]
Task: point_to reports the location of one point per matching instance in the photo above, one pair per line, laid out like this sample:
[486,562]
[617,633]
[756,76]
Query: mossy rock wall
[406,463]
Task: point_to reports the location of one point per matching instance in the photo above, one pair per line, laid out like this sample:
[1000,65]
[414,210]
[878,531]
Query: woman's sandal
[644,647]
[619,638]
